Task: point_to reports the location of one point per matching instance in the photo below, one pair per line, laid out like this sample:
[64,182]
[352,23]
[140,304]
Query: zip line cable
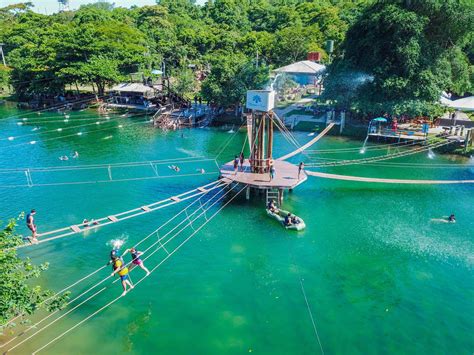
[101,268]
[139,281]
[108,277]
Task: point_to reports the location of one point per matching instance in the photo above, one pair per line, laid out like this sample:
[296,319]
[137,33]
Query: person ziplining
[122,270]
[136,259]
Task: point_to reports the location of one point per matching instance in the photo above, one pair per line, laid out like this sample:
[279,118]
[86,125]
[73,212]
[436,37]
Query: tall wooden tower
[261,141]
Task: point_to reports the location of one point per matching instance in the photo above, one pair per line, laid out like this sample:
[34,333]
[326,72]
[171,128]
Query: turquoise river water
[372,273]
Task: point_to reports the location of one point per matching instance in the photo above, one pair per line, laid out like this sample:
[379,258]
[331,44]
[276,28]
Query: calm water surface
[378,275]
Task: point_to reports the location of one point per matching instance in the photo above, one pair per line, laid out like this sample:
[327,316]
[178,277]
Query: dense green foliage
[400,55]
[100,44]
[17,295]
[390,55]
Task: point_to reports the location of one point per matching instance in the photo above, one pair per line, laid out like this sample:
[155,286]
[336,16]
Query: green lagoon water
[378,276]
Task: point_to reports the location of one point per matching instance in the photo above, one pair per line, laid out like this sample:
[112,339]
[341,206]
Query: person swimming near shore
[122,270]
[75,155]
[201,170]
[446,219]
[136,259]
[63,157]
[174,167]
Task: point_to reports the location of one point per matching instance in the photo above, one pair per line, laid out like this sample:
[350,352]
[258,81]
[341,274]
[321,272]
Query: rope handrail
[309,144]
[101,268]
[124,215]
[380,158]
[156,250]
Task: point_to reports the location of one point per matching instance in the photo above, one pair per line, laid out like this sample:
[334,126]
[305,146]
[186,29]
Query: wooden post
[270,139]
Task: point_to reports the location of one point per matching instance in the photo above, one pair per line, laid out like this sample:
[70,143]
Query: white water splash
[118,242]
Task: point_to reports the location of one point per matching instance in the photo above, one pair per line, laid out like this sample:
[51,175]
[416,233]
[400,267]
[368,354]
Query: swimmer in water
[202,171]
[75,155]
[174,167]
[121,269]
[452,218]
[63,157]
[136,259]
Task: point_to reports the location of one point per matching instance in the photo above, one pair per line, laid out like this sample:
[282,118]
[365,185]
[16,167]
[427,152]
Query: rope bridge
[122,216]
[199,213]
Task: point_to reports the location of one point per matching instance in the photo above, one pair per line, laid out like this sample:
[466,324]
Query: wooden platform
[286,176]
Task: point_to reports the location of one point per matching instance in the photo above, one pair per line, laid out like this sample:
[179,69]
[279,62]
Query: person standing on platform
[30,223]
[272,172]
[300,169]
[241,160]
[236,164]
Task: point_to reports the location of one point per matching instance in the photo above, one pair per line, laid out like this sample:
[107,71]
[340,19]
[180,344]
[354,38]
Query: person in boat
[272,207]
[452,218]
[136,259]
[288,220]
[30,223]
[236,164]
[122,270]
[295,220]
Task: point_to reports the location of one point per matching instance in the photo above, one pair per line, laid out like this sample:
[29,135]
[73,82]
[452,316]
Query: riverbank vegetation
[394,56]
[18,296]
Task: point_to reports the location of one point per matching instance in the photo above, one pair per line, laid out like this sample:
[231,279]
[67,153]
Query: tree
[230,78]
[18,295]
[185,82]
[410,50]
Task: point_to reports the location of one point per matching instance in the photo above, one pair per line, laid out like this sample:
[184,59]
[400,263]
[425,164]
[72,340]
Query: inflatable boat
[280,217]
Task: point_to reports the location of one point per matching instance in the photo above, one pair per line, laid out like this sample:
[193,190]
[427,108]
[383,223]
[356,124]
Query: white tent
[303,67]
[464,104]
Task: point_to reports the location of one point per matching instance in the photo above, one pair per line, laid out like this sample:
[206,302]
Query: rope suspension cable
[60,129]
[101,268]
[90,182]
[286,133]
[56,107]
[61,118]
[75,134]
[143,278]
[108,277]
[308,144]
[228,141]
[67,231]
[383,157]
[113,165]
[357,149]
